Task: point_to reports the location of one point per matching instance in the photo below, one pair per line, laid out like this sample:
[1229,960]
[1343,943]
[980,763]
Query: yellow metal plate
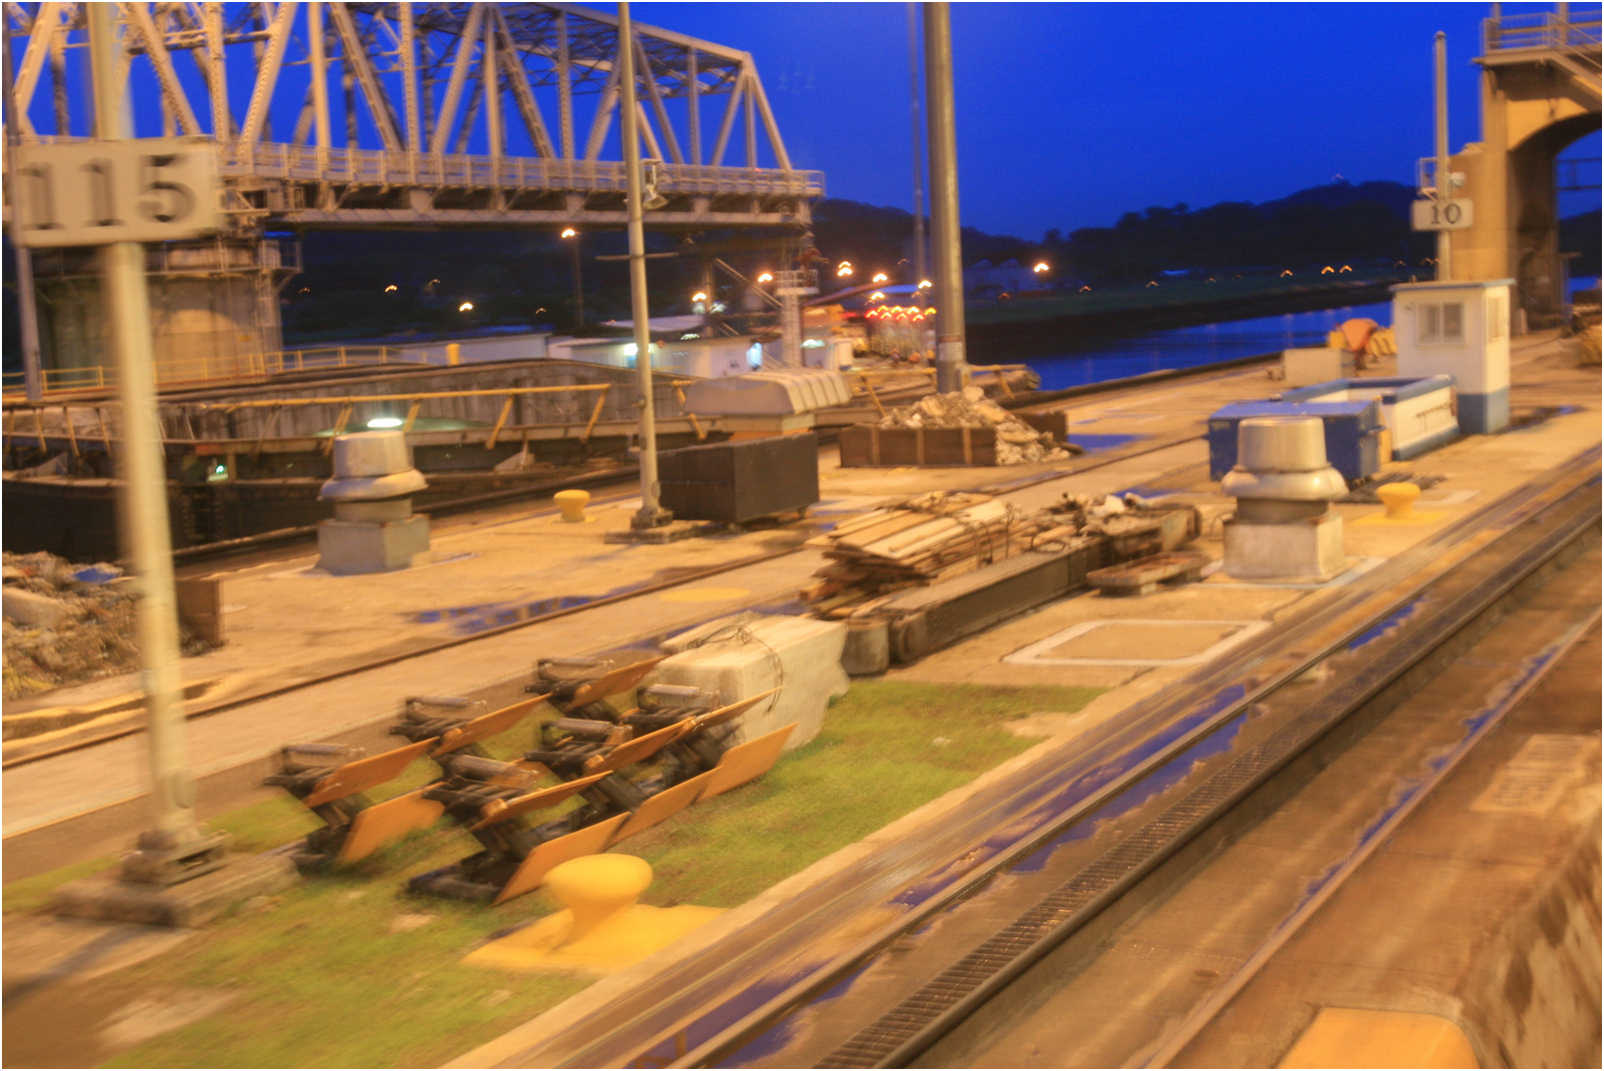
[734,710]
[642,747]
[619,680]
[532,871]
[363,774]
[376,826]
[499,811]
[488,725]
[746,762]
[664,805]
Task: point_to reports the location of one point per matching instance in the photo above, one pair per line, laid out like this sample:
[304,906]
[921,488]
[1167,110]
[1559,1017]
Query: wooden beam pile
[918,542]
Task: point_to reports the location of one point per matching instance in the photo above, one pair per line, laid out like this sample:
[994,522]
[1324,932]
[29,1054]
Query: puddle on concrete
[1094,443]
[1531,419]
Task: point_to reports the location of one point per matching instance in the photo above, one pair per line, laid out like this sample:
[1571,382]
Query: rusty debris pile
[1017,442]
[67,624]
[940,535]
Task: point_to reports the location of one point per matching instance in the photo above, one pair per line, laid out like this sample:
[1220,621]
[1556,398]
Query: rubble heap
[1017,442]
[67,624]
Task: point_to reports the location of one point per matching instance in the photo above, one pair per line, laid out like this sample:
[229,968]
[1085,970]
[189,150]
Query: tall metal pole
[651,513]
[950,365]
[144,480]
[918,155]
[27,309]
[1444,179]
[579,287]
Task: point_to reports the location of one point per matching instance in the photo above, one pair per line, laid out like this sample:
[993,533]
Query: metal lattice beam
[447,112]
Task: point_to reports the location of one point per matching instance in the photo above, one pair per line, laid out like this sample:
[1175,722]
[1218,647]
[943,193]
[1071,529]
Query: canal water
[1188,347]
[1069,365]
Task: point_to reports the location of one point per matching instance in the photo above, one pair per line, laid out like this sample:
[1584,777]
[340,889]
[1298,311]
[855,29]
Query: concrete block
[1301,550]
[32,609]
[741,656]
[188,903]
[1305,367]
[347,547]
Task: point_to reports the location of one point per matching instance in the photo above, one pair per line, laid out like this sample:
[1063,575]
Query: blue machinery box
[1353,433]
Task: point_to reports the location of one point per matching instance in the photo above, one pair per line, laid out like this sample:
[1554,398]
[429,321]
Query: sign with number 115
[99,192]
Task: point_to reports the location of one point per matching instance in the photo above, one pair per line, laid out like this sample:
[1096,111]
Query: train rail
[1081,466]
[1090,820]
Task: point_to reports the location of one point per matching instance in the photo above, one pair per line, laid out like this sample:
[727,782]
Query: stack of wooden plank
[919,542]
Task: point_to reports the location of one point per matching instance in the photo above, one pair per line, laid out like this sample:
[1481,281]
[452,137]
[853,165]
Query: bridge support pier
[214,307]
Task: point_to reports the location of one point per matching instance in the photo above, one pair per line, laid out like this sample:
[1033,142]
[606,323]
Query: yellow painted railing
[205,371]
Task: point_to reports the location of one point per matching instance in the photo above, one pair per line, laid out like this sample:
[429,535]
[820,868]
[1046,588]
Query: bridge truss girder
[425,113]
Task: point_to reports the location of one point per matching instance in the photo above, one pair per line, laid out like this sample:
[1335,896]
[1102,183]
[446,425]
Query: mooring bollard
[572,503]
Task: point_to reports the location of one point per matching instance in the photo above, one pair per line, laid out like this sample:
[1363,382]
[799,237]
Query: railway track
[1055,851]
[1089,463]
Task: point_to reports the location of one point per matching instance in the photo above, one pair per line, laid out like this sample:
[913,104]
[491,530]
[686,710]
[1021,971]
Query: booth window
[1441,322]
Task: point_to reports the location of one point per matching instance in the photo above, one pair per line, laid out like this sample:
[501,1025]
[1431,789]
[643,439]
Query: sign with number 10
[98,192]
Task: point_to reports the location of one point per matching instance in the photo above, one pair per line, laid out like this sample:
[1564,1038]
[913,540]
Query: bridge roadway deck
[287,623]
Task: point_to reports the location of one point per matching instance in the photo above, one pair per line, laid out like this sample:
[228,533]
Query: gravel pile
[1017,442]
[67,624]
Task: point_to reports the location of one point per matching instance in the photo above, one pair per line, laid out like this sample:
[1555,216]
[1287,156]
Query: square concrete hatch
[1116,641]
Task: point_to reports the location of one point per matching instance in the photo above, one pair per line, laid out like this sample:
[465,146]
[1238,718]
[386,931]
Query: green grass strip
[328,975]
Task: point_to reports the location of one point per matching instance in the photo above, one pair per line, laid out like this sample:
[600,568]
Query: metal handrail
[202,371]
[383,167]
[1542,30]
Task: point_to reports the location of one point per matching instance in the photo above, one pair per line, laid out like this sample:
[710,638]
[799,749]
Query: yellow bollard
[1399,498]
[594,888]
[601,927]
[572,503]
[453,353]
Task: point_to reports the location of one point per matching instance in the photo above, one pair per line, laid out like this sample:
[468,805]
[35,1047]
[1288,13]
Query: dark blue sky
[1069,115]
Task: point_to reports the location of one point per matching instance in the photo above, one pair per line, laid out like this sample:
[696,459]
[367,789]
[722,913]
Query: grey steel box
[734,482]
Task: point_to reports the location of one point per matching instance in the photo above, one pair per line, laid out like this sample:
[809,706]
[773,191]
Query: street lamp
[572,237]
[466,306]
[880,277]
[766,277]
[1040,268]
[843,270]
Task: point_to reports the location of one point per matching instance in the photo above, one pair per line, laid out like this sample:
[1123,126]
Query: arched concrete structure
[1540,92]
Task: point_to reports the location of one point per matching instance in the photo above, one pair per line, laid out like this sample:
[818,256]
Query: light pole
[652,514]
[1444,178]
[950,364]
[571,236]
[177,847]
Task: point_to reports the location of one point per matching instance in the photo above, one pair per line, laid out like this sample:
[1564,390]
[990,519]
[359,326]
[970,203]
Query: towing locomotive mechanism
[621,771]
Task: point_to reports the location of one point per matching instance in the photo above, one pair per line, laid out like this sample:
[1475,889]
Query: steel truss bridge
[331,114]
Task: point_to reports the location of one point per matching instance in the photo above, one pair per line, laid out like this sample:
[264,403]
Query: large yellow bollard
[572,503]
[1399,498]
[594,888]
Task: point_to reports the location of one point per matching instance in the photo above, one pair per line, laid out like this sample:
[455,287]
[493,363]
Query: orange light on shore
[765,277]
[880,277]
[466,306]
[698,296]
[569,232]
[1286,273]
[878,295]
[925,284]
[1040,267]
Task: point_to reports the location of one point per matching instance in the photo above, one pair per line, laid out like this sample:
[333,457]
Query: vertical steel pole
[144,478]
[950,366]
[27,308]
[1444,179]
[651,514]
[918,155]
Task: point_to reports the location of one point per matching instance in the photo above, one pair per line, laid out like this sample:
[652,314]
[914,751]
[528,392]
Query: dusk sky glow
[1069,115]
